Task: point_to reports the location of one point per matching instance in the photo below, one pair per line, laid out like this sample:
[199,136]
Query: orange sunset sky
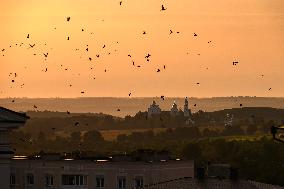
[248,31]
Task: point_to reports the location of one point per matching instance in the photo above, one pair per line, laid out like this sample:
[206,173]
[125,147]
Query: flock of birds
[147,58]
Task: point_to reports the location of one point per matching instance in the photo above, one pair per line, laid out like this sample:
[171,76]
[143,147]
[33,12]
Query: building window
[138,182]
[100,181]
[12,179]
[77,180]
[121,182]
[49,180]
[30,179]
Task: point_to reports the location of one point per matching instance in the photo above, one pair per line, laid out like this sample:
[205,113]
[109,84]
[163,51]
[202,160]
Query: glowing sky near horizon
[248,31]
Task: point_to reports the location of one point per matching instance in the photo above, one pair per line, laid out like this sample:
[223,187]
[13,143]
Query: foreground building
[94,174]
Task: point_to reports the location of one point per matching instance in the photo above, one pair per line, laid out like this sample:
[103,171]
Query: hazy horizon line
[137,97]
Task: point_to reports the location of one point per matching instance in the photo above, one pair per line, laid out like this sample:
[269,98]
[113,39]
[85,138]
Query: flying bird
[163,8]
[147,56]
[144,32]
[68,18]
[158,70]
[32,45]
[28,36]
[163,97]
[120,3]
[194,34]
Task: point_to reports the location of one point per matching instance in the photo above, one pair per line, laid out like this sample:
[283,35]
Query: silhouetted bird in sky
[118,110]
[120,3]
[87,49]
[104,46]
[163,8]
[28,36]
[32,45]
[129,94]
[82,92]
[68,38]
[269,89]
[90,58]
[158,70]
[194,34]
[144,32]
[163,97]
[68,18]
[235,63]
[164,66]
[171,32]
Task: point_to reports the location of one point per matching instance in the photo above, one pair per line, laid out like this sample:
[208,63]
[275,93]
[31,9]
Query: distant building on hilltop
[186,110]
[154,109]
[229,120]
[174,109]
